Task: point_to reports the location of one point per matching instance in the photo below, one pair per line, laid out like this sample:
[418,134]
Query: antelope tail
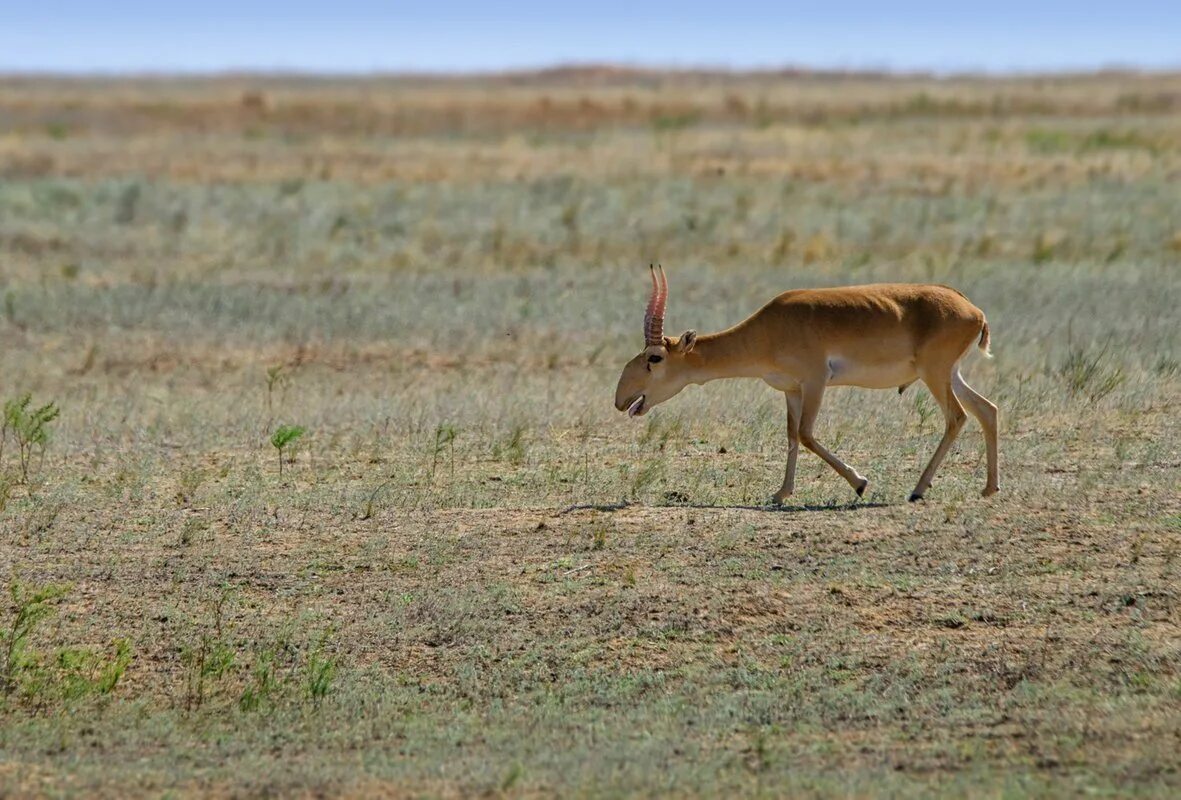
[985,341]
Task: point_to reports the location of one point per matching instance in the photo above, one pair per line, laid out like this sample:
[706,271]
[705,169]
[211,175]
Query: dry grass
[441,277]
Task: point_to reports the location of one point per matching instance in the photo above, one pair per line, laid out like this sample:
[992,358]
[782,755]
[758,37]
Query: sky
[351,36]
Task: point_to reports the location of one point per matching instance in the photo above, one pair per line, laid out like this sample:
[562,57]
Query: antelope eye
[655,359]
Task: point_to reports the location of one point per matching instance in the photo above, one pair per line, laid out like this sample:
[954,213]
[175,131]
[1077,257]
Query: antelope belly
[850,372]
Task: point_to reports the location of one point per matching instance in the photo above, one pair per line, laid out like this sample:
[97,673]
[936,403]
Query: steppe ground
[474,576]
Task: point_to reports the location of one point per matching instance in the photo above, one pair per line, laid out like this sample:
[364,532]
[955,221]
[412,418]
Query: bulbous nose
[620,398]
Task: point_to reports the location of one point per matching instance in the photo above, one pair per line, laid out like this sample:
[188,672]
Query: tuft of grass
[83,672]
[646,476]
[924,406]
[370,507]
[1085,373]
[514,447]
[512,777]
[188,483]
[1167,366]
[445,436]
[953,620]
[319,672]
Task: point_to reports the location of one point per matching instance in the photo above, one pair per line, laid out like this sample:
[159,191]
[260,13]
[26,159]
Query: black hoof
[915,496]
[861,488]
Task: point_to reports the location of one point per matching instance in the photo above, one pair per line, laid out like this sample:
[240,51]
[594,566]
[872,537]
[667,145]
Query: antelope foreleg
[793,447]
[813,396]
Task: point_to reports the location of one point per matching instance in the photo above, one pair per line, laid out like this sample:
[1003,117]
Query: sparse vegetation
[482,563]
[282,669]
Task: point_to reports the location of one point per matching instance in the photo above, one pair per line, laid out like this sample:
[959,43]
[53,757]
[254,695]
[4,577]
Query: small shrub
[30,606]
[29,428]
[279,670]
[209,659]
[276,378]
[283,437]
[67,675]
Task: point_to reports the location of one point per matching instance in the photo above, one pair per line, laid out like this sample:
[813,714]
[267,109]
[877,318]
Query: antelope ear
[686,342]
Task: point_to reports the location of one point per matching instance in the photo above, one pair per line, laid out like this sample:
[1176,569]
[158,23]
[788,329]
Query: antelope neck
[726,354]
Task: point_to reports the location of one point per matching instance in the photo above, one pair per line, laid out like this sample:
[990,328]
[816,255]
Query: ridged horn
[654,316]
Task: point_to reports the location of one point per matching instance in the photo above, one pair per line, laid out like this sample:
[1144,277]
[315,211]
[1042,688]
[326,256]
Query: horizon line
[575,67]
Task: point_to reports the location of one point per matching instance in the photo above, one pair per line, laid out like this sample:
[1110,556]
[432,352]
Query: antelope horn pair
[654,316]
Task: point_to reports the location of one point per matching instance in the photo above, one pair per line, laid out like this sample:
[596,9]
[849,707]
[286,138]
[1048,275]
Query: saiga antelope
[878,337]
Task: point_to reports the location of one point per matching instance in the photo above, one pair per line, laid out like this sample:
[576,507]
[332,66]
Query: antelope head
[661,369]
